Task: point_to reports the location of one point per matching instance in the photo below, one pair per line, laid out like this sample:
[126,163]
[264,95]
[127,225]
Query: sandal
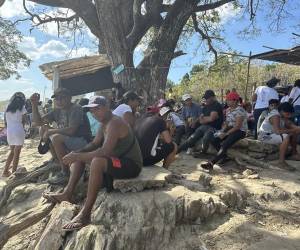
[284,165]
[75,225]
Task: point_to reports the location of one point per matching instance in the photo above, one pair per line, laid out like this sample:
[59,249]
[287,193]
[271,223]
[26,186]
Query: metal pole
[248,75]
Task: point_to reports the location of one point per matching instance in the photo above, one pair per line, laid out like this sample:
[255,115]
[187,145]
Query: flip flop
[76,225]
[51,198]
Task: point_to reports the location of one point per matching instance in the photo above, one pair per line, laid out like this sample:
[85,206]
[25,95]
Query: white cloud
[13,8]
[52,48]
[10,86]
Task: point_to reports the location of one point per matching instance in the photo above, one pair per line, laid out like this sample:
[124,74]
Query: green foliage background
[231,72]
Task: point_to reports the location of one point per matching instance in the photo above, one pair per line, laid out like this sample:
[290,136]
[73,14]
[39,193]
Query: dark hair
[83,101]
[273,101]
[272,82]
[17,102]
[286,107]
[297,83]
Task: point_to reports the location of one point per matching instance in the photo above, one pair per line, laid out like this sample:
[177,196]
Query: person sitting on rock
[128,108]
[234,129]
[155,139]
[72,132]
[211,120]
[174,123]
[277,129]
[119,157]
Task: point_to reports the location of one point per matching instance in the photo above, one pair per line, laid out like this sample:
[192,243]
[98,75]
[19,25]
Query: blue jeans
[297,115]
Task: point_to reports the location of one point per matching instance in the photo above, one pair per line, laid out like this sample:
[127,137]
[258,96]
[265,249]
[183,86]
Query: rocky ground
[241,207]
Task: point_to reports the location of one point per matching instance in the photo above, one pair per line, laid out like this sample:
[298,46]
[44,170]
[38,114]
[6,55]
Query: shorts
[74,143]
[122,168]
[162,152]
[272,138]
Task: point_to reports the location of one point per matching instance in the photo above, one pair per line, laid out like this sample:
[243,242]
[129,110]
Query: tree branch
[205,36]
[142,23]
[211,6]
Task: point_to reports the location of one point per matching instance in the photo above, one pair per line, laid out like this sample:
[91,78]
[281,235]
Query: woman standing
[14,119]
[234,129]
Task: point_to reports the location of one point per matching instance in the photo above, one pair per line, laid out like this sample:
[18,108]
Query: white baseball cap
[186,97]
[96,101]
[164,110]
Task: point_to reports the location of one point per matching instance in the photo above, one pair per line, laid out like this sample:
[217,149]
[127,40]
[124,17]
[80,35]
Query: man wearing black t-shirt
[155,140]
[211,120]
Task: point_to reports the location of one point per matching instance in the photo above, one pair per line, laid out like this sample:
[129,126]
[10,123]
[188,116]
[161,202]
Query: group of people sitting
[124,142]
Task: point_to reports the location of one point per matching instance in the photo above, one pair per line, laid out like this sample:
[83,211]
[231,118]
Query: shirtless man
[118,157]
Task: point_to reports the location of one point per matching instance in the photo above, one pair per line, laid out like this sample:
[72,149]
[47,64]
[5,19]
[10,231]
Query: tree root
[15,224]
[6,192]
[241,157]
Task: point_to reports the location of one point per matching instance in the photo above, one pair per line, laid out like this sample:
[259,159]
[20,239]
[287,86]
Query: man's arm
[93,145]
[129,118]
[113,132]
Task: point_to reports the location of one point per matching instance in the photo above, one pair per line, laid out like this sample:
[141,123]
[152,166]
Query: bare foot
[78,222]
[6,173]
[57,198]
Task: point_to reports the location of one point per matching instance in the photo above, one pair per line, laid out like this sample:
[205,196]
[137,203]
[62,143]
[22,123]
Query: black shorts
[119,169]
[163,150]
[122,168]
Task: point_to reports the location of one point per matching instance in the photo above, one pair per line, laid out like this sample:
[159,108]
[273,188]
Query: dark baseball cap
[60,92]
[273,81]
[131,95]
[208,93]
[96,101]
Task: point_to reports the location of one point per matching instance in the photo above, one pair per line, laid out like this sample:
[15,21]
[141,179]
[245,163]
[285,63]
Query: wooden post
[248,75]
[55,80]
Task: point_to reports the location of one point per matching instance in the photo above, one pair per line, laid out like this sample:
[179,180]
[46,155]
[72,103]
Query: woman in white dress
[14,119]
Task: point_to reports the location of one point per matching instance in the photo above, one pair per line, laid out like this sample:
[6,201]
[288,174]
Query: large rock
[150,177]
[129,221]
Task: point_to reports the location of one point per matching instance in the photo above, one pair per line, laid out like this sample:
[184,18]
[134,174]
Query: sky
[43,45]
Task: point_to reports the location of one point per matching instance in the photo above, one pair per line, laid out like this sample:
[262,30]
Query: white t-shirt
[122,109]
[294,94]
[285,99]
[15,129]
[176,120]
[264,95]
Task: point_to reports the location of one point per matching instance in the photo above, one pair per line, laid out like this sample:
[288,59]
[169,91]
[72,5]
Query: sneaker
[189,151]
[59,179]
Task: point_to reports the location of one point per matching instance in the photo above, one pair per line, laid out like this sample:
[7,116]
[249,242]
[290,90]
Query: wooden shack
[80,75]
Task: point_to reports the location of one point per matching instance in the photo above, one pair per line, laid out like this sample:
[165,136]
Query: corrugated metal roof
[289,56]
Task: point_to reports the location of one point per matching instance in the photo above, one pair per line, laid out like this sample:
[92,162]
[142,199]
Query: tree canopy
[10,56]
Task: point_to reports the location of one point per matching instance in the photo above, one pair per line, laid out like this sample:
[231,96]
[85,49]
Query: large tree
[120,25]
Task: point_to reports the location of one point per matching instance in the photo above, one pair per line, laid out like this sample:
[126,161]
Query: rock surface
[150,177]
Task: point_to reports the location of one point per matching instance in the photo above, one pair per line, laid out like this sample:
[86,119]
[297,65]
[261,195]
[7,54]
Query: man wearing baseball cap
[118,157]
[211,120]
[190,114]
[72,132]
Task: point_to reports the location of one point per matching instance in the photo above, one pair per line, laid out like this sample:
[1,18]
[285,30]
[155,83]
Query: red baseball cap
[153,109]
[232,96]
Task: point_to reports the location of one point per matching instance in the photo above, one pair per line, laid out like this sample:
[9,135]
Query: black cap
[273,81]
[131,95]
[61,91]
[208,93]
